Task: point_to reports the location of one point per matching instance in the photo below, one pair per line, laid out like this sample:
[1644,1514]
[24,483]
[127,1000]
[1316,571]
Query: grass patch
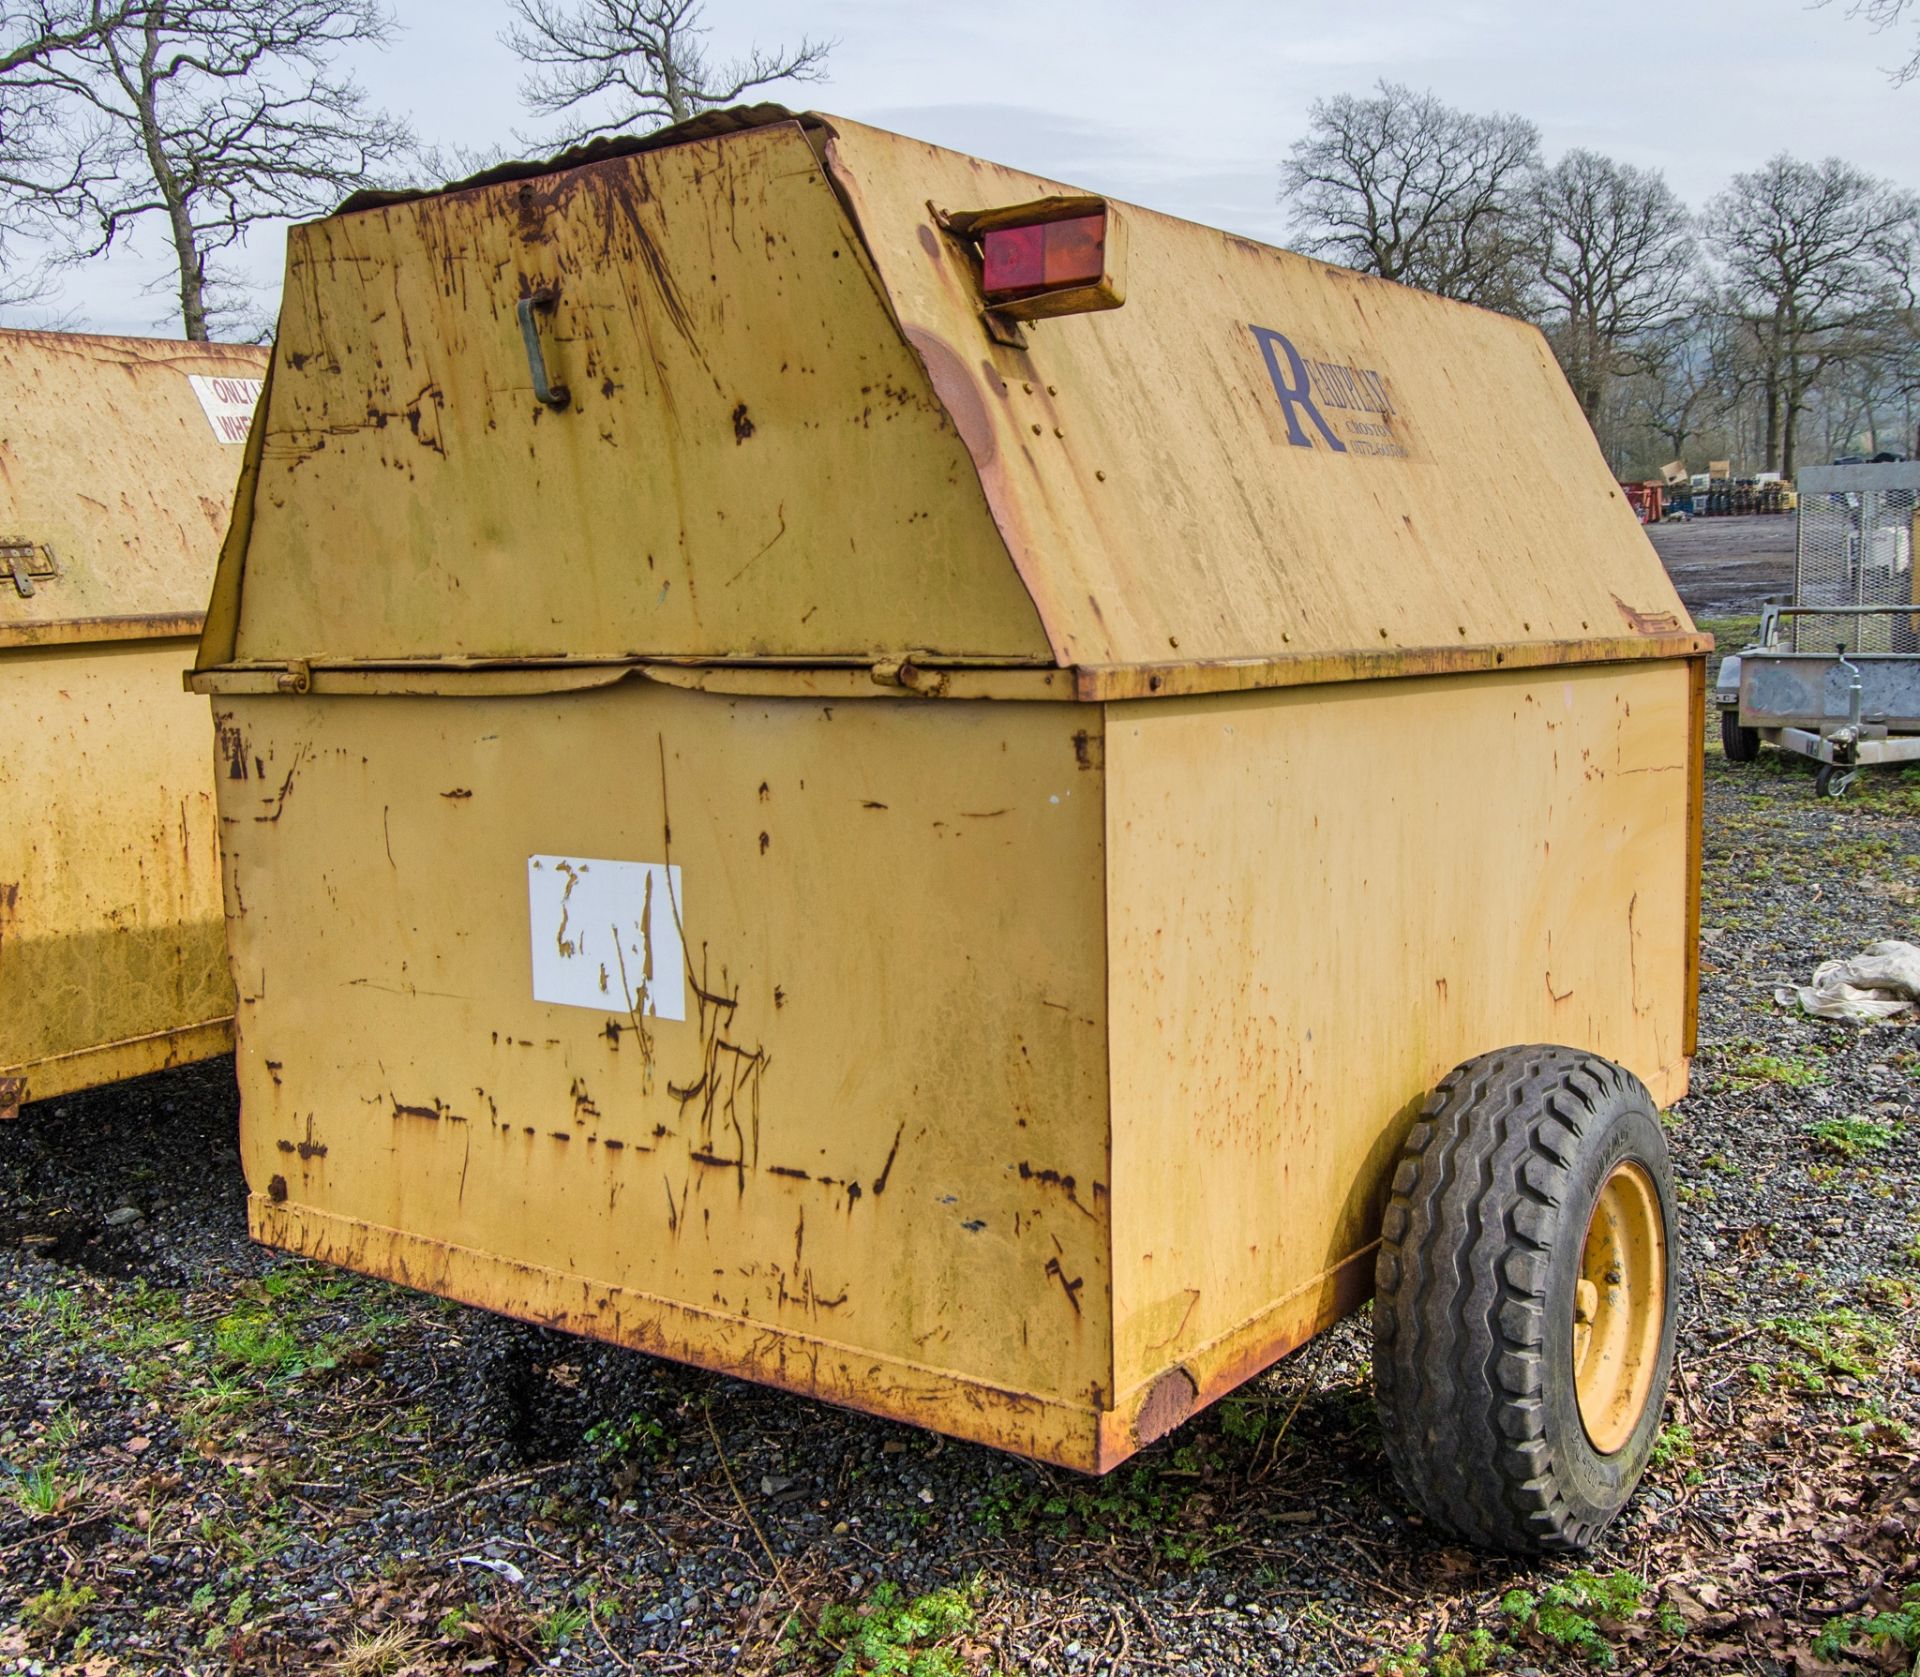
[890,1635]
[1151,1503]
[636,1437]
[1848,1138]
[45,1490]
[381,1653]
[1746,1063]
[63,1431]
[1843,1343]
[1885,1631]
[1450,1656]
[52,1613]
[560,1625]
[1788,1070]
[1674,1447]
[1577,1615]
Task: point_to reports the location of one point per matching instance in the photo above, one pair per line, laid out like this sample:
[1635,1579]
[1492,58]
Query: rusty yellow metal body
[117,462]
[924,870]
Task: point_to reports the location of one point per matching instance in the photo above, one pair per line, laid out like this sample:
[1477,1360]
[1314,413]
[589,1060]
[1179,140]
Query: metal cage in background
[1855,550]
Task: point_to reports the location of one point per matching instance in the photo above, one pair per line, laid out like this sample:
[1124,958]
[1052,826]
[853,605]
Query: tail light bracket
[1040,260]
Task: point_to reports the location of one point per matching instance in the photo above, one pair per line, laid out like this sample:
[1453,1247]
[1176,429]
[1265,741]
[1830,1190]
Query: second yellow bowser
[117,463]
[850,766]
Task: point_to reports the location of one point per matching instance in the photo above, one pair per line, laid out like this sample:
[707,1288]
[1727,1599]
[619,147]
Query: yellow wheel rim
[1619,1307]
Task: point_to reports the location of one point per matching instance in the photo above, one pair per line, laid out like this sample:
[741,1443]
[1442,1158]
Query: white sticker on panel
[228,403]
[606,935]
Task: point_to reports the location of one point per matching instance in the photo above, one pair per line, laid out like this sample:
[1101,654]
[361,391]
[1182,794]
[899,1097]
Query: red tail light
[1052,257]
[1017,260]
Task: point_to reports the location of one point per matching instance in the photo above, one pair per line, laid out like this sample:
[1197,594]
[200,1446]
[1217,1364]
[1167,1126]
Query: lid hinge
[27,563]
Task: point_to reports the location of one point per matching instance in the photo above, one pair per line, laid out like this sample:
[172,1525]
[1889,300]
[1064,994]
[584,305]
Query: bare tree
[1883,15]
[1863,400]
[1400,185]
[217,115]
[1815,255]
[43,159]
[644,61]
[1617,264]
[1691,372]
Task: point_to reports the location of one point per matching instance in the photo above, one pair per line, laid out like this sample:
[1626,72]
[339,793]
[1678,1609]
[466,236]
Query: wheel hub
[1619,1307]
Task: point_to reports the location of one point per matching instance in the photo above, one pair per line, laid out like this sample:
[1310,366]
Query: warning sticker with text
[228,403]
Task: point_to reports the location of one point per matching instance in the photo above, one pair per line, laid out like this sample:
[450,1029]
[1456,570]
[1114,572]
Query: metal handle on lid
[541,302]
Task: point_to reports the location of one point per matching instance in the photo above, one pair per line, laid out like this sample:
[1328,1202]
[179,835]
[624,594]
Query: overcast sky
[1190,107]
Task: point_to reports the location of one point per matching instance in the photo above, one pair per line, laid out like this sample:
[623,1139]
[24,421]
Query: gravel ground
[217,1459]
[1728,567]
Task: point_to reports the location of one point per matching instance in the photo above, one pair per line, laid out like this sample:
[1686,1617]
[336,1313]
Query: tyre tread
[1461,1312]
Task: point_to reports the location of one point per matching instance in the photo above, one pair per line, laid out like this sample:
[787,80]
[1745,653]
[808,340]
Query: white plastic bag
[1883,982]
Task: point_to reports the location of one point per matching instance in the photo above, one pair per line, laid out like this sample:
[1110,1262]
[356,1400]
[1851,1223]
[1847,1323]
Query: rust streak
[286,790]
[886,1170]
[1070,1287]
[1054,1179]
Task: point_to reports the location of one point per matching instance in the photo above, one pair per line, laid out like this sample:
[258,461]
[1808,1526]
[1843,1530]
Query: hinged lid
[734,394]
[117,463]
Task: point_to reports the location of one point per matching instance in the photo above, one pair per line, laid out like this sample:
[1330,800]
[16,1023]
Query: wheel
[1525,1301]
[1830,780]
[1741,745]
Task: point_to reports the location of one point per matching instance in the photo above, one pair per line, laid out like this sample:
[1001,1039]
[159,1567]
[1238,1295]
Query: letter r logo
[1293,389]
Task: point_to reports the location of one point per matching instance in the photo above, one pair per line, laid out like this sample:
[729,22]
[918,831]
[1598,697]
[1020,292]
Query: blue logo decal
[1305,387]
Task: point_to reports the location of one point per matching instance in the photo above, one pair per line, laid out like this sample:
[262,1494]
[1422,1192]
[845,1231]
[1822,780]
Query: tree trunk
[672,88]
[193,272]
[1594,383]
[190,261]
[1795,403]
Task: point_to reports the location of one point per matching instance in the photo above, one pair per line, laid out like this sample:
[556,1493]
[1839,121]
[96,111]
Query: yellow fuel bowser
[864,770]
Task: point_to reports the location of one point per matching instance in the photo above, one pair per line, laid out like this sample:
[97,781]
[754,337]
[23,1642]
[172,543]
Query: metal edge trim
[135,1056]
[1043,1428]
[93,631]
[1084,684]
[1104,683]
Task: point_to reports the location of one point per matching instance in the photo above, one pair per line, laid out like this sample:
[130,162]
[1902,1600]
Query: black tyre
[1524,1316]
[1741,745]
